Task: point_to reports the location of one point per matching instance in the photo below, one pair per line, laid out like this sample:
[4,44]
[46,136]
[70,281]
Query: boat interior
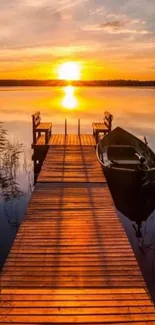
[121,156]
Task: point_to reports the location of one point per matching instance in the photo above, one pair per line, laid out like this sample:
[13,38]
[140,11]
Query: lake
[133,109]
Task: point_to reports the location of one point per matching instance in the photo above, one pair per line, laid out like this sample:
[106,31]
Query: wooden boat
[126,159]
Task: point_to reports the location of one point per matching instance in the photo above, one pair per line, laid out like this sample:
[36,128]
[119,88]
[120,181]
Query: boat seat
[126,162]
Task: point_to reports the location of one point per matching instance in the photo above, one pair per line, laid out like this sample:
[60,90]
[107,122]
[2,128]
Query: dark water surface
[133,109]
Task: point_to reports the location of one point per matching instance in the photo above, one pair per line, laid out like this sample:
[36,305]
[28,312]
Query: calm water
[133,109]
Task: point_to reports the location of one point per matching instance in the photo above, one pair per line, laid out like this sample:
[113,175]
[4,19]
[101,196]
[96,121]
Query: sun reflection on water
[69,101]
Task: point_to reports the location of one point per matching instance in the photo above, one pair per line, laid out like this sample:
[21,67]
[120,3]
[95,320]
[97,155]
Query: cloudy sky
[109,38]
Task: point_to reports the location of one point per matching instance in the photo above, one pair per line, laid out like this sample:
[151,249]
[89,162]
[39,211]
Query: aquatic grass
[9,165]
[10,190]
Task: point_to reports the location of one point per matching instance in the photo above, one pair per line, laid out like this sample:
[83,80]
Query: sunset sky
[110,39]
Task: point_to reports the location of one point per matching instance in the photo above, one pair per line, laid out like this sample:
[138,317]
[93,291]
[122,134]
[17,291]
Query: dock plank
[70,139]
[71,164]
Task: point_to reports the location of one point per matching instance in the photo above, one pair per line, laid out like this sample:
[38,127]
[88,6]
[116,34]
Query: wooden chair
[104,127]
[39,128]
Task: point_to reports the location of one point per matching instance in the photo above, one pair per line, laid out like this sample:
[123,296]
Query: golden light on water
[69,101]
[69,71]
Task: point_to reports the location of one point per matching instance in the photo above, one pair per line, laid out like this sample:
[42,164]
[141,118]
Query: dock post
[33,130]
[79,127]
[65,127]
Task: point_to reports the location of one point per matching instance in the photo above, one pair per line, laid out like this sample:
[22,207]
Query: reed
[10,164]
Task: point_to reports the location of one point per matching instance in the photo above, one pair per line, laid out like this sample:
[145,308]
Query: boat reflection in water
[135,205]
[137,213]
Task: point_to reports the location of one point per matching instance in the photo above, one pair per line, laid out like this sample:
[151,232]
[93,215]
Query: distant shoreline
[79,83]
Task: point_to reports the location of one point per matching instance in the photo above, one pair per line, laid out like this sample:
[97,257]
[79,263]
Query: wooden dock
[71,261]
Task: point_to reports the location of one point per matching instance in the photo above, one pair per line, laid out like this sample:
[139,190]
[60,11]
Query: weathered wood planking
[70,139]
[70,264]
[71,261]
[71,164]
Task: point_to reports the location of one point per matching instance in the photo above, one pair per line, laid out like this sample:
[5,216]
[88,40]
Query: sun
[69,71]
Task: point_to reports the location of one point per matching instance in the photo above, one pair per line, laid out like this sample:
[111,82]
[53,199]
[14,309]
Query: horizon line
[74,81]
